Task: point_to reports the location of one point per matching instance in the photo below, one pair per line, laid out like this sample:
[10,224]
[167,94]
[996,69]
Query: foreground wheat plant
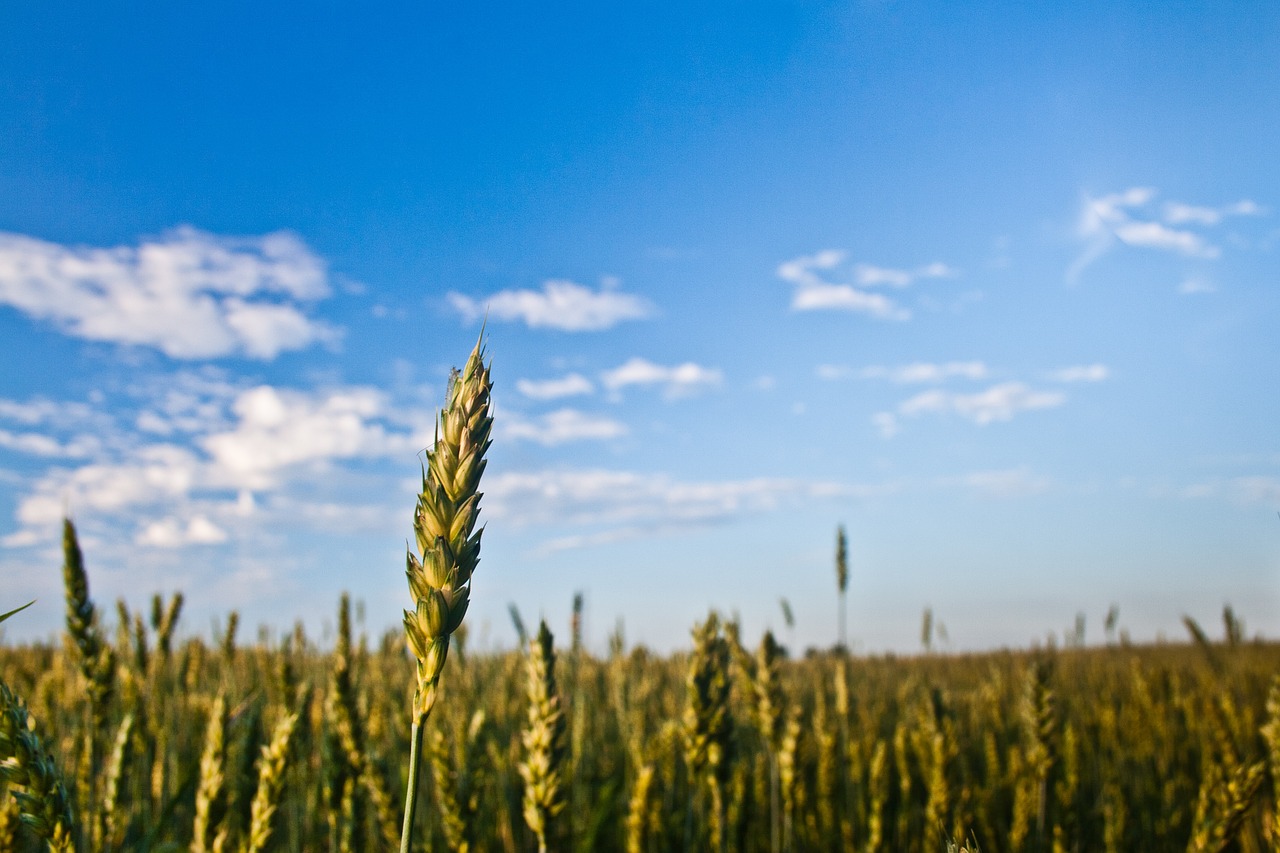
[42,799]
[444,524]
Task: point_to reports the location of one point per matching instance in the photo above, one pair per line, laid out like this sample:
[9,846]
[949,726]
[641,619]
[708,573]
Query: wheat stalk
[544,764]
[97,663]
[444,525]
[266,799]
[120,751]
[209,836]
[708,725]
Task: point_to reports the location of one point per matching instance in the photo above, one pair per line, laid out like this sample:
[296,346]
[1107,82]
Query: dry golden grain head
[266,799]
[445,524]
[544,763]
[211,791]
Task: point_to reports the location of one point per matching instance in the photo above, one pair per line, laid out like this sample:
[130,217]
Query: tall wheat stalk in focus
[444,524]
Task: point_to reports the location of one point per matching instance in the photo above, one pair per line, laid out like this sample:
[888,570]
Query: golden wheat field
[128,738]
[173,747]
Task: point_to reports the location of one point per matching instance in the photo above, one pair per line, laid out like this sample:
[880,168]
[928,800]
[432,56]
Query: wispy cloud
[923,371]
[1131,218]
[630,504]
[868,275]
[561,305]
[1177,213]
[680,380]
[39,444]
[571,385]
[997,403]
[561,426]
[189,294]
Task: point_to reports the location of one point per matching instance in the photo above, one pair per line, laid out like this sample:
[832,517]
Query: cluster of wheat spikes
[133,737]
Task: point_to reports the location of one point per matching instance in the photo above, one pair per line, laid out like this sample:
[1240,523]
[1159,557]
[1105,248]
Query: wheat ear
[444,524]
[544,764]
[266,799]
[211,793]
[97,663]
[44,805]
[708,725]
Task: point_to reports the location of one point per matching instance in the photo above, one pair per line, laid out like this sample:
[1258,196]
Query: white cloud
[997,403]
[41,411]
[1154,235]
[188,294]
[844,297]
[261,439]
[155,475]
[1129,218]
[815,292]
[562,426]
[801,270]
[1082,373]
[571,385]
[1177,213]
[277,429]
[678,381]
[171,532]
[38,444]
[867,275]
[560,305]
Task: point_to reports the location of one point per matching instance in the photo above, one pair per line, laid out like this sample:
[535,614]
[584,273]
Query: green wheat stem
[411,791]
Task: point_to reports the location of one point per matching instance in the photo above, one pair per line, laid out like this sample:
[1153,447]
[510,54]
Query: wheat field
[133,736]
[209,745]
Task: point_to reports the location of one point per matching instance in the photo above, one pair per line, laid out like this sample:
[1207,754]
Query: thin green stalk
[411,792]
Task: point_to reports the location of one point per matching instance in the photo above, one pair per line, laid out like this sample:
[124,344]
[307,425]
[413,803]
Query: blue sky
[994,286]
